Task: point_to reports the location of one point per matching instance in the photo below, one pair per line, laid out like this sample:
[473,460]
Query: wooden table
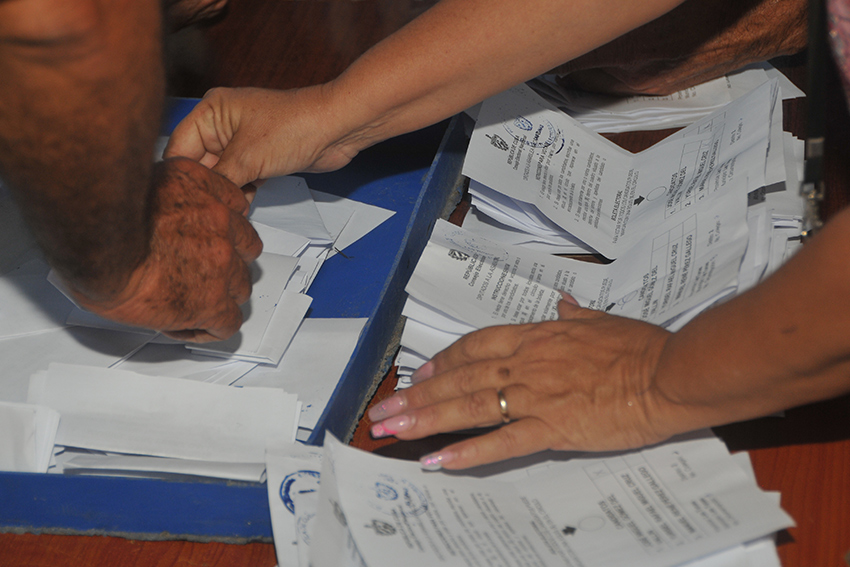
[286,44]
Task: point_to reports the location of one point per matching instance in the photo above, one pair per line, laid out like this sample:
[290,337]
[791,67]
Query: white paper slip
[362,220]
[27,434]
[312,365]
[136,466]
[23,356]
[483,283]
[601,194]
[286,203]
[114,410]
[279,241]
[293,475]
[658,507]
[29,304]
[271,316]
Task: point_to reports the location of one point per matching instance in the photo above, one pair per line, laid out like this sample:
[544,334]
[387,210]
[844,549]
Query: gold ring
[503,407]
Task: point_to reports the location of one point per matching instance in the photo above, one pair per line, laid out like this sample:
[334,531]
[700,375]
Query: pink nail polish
[397,424]
[378,431]
[435,461]
[423,372]
[387,408]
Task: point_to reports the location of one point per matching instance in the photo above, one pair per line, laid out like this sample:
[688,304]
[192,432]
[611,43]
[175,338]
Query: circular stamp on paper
[391,494]
[465,244]
[535,132]
[299,482]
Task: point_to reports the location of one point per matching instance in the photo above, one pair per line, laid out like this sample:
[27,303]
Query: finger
[484,344]
[568,307]
[234,163]
[514,440]
[195,136]
[245,239]
[478,409]
[227,192]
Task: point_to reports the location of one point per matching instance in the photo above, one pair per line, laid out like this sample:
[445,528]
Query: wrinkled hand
[252,134]
[584,382]
[196,274]
[692,44]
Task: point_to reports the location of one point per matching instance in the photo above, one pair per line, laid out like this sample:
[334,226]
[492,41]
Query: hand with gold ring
[584,382]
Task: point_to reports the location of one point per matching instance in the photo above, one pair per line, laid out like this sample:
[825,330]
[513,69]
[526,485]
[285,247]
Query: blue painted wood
[403,175]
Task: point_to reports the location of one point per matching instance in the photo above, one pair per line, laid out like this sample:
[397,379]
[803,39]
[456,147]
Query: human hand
[252,134]
[692,44]
[195,275]
[584,382]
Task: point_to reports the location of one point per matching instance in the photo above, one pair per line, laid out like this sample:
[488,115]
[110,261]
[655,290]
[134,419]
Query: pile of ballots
[82,395]
[689,222]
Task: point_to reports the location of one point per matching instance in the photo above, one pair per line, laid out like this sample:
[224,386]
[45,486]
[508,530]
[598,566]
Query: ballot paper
[27,434]
[26,355]
[72,461]
[124,412]
[664,275]
[312,365]
[271,316]
[293,475]
[607,113]
[662,506]
[603,195]
[285,203]
[29,304]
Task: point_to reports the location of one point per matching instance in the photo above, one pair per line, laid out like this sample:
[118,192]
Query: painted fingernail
[389,407]
[569,298]
[423,372]
[435,461]
[392,426]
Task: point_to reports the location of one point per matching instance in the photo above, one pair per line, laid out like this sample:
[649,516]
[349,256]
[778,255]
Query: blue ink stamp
[391,494]
[299,482]
[535,133]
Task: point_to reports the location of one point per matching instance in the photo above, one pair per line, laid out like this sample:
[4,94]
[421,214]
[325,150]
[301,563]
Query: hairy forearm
[462,51]
[80,104]
[696,42]
[784,343]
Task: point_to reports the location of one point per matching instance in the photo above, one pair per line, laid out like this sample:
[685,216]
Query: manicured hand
[584,382]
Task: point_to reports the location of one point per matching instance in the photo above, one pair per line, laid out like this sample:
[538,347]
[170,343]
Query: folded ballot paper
[684,502]
[124,412]
[273,352]
[607,113]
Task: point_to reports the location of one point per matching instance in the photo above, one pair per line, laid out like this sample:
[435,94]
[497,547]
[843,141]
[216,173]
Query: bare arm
[452,56]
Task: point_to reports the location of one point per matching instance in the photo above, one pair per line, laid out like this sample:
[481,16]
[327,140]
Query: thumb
[568,307]
[234,163]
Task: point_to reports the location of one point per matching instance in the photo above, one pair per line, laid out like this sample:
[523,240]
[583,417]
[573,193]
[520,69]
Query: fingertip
[422,373]
[568,306]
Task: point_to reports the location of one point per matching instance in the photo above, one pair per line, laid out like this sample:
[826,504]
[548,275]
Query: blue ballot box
[418,177]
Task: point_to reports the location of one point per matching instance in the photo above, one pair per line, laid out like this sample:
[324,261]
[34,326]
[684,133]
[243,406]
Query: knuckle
[480,405]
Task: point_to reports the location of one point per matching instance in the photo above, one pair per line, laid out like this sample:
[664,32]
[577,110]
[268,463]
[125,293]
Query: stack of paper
[277,350]
[605,113]
[685,502]
[703,214]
